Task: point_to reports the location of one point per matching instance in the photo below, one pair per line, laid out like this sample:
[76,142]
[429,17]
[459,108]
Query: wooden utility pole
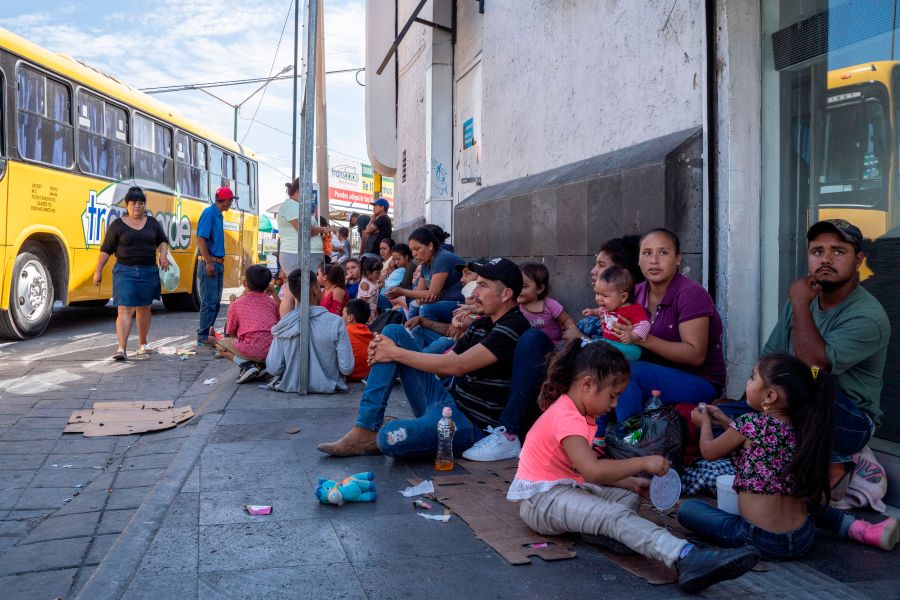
[321,115]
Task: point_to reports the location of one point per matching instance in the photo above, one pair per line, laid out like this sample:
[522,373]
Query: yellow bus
[72,140]
[857,168]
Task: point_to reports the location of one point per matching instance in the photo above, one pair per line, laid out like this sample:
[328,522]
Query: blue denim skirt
[135,285]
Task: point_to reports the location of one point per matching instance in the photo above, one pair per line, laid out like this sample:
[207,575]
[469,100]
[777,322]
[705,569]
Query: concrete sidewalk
[208,547]
[65,498]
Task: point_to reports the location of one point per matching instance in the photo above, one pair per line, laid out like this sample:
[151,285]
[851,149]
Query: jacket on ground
[330,353]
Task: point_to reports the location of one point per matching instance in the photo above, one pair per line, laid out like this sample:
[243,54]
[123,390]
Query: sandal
[119,355]
[143,349]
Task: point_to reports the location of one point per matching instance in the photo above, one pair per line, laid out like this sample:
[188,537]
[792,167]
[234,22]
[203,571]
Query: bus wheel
[31,295]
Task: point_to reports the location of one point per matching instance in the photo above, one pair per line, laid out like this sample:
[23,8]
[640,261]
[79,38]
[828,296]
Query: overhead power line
[214,84]
[271,70]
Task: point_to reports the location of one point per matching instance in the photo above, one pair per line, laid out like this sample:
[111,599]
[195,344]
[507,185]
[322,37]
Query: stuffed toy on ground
[356,488]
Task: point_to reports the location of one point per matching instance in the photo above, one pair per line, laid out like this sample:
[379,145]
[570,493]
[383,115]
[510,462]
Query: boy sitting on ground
[330,353]
[356,315]
[248,329]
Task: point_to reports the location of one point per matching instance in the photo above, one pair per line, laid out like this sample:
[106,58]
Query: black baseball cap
[847,230]
[500,269]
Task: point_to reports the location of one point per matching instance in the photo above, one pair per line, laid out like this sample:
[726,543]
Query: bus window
[190,162]
[45,121]
[221,171]
[2,130]
[244,192]
[856,159]
[153,151]
[102,138]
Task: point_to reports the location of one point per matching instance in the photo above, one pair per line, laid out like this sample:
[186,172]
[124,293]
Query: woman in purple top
[683,353]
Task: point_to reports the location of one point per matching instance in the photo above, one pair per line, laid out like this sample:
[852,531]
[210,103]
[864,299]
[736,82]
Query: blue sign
[469,132]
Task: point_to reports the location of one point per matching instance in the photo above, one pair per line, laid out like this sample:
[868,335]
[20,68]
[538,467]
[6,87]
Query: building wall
[413,54]
[565,80]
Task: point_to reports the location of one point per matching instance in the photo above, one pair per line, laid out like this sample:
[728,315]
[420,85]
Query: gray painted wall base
[562,216]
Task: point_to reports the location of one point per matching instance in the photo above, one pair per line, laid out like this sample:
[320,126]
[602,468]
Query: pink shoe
[882,535]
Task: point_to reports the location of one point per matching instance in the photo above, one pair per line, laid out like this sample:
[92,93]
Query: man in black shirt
[379,228]
[480,363]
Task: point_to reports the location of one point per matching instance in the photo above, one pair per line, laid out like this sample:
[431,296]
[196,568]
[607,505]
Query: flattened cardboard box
[126,418]
[480,500]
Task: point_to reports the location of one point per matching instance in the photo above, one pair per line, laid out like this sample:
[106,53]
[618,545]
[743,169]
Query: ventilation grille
[832,29]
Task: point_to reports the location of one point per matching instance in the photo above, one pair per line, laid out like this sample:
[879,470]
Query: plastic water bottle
[445,430]
[655,402]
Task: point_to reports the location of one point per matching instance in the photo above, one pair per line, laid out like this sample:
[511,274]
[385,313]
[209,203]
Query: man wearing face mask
[832,323]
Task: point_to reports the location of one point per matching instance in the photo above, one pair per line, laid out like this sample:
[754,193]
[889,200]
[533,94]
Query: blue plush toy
[356,488]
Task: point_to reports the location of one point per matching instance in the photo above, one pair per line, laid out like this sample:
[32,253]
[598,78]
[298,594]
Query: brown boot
[357,442]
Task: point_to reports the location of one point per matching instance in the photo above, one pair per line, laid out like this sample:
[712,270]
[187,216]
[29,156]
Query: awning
[265,225]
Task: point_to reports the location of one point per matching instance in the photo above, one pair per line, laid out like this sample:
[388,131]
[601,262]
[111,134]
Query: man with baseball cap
[480,364]
[379,228]
[831,323]
[211,254]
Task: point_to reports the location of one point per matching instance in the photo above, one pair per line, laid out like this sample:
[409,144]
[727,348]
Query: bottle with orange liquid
[445,430]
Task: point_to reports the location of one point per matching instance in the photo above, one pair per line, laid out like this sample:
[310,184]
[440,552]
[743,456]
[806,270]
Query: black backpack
[386,318]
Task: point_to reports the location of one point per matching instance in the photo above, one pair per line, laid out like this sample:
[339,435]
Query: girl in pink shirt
[542,312]
[563,487]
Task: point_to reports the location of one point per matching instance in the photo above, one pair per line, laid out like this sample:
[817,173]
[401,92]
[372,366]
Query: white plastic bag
[170,278]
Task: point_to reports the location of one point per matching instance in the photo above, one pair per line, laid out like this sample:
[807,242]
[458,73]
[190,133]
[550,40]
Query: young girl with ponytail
[563,487]
[781,453]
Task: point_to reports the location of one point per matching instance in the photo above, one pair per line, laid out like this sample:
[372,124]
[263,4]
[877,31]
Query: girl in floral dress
[781,452]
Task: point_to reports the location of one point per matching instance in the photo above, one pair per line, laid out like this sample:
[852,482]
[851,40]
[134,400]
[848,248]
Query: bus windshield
[856,155]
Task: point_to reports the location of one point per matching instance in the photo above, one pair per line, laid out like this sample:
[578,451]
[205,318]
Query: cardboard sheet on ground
[480,500]
[126,418]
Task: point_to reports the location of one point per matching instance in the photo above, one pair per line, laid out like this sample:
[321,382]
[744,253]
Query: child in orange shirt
[356,315]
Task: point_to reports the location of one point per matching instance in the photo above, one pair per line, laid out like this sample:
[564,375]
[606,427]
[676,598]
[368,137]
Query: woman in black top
[134,239]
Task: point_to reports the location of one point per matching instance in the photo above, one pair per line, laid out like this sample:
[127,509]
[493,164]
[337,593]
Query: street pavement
[161,515]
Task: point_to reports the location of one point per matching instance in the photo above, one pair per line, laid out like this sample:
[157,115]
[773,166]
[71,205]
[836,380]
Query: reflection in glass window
[153,151]
[190,159]
[45,123]
[102,138]
[221,171]
[245,196]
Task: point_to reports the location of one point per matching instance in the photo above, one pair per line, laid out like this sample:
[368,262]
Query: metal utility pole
[321,115]
[306,189]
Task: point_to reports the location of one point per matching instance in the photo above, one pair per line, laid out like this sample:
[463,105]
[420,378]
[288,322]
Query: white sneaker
[494,446]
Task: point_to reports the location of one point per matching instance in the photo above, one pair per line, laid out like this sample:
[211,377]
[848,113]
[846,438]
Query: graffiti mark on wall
[439,178]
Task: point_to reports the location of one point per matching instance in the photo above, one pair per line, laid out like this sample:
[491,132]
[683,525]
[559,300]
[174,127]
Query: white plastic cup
[726,497]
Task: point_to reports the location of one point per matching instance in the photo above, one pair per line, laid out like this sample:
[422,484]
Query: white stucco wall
[565,80]
[414,51]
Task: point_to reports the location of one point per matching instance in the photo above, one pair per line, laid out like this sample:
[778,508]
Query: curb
[115,572]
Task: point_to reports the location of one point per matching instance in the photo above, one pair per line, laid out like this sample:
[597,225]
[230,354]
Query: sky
[149,43]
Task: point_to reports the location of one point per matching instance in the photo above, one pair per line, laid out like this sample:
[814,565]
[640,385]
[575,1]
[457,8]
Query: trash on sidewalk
[441,518]
[258,509]
[538,545]
[126,418]
[356,488]
[293,430]
[426,487]
[166,350]
[479,499]
[210,381]
[422,504]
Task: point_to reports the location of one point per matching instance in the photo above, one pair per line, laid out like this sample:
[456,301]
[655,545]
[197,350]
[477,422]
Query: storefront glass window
[831,149]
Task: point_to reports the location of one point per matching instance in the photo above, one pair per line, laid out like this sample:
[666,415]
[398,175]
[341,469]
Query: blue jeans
[210,289]
[528,373]
[676,386]
[732,531]
[853,428]
[440,311]
[427,398]
[729,530]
